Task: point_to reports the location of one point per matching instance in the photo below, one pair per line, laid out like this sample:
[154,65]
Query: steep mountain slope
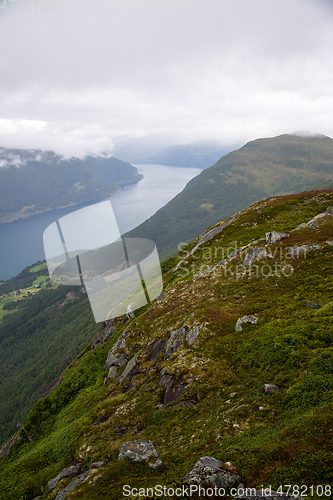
[32,181]
[264,167]
[40,336]
[233,361]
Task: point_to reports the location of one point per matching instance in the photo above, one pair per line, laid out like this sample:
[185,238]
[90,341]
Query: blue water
[21,242]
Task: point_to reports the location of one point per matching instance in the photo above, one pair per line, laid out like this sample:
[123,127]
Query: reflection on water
[21,242]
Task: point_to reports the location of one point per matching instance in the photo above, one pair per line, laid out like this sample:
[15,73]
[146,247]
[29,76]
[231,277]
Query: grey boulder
[208,471]
[270,389]
[68,471]
[140,451]
[275,236]
[245,319]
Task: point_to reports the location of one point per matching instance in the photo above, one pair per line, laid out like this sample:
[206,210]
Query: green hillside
[41,184]
[234,361]
[39,338]
[261,168]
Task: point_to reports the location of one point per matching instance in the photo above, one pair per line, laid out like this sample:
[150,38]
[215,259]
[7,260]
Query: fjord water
[21,242]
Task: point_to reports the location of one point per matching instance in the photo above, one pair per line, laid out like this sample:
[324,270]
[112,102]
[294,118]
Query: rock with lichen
[141,451]
[209,471]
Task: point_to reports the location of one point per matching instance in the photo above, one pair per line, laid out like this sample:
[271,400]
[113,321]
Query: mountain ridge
[261,168]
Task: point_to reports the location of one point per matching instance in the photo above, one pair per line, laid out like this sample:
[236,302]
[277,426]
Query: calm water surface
[21,242]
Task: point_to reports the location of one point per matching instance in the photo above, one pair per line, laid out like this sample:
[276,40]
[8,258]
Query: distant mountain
[264,167]
[142,150]
[32,181]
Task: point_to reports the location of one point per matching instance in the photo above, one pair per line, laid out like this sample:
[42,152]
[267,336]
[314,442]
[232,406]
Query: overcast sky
[77,76]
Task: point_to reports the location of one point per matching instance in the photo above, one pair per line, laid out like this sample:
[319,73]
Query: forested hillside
[39,337]
[40,181]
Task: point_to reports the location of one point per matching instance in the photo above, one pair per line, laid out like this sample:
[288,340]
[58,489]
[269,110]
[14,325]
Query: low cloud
[222,70]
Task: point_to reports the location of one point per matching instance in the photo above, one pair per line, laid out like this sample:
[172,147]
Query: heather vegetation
[284,437]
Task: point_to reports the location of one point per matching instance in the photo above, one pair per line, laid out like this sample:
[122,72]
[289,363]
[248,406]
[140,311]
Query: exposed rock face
[275,236]
[52,385]
[233,254]
[254,253]
[130,369]
[77,481]
[177,338]
[68,471]
[106,332]
[112,372]
[174,387]
[140,451]
[206,236]
[117,359]
[8,446]
[245,319]
[313,222]
[155,348]
[300,250]
[175,341]
[193,334]
[270,389]
[207,471]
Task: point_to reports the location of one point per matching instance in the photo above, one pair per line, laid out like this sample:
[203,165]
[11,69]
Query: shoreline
[21,215]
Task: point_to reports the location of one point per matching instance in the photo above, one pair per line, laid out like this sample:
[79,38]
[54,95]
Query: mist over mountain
[261,168]
[32,181]
[161,150]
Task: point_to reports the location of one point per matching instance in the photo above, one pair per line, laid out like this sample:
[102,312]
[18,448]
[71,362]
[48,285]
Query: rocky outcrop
[270,389]
[114,358]
[275,236]
[141,451]
[206,236]
[8,446]
[312,305]
[155,348]
[77,481]
[175,341]
[174,388]
[193,334]
[68,471]
[300,250]
[177,338]
[313,222]
[208,471]
[130,369]
[106,332]
[245,319]
[254,253]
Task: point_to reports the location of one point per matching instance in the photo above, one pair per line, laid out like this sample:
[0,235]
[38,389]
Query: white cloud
[231,70]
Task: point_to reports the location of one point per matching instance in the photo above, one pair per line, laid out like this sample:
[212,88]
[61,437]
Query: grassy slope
[289,441]
[38,339]
[261,168]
